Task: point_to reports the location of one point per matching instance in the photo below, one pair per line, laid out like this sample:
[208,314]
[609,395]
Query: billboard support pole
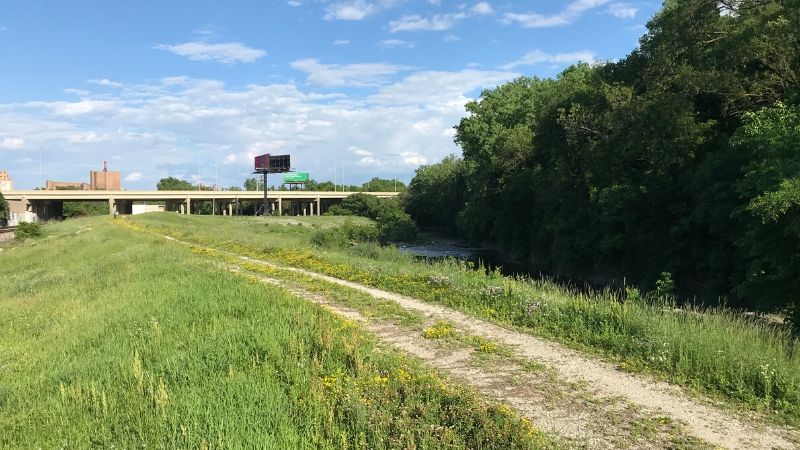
[266,202]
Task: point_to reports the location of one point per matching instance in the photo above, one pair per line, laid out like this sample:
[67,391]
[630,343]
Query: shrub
[3,209]
[345,235]
[394,224]
[28,230]
[397,226]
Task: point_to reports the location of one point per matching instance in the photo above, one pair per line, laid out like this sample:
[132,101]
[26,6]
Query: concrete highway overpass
[49,204]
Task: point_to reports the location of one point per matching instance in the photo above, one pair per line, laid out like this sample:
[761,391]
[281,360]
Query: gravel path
[603,380]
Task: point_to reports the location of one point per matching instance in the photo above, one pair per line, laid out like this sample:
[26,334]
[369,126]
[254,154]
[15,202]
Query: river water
[439,248]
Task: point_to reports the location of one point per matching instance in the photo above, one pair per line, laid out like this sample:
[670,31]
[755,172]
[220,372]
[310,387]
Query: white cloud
[437,22]
[415,22]
[78,108]
[413,159]
[106,82]
[564,17]
[134,176]
[190,128]
[350,10]
[89,137]
[451,38]
[538,57]
[364,74]
[78,92]
[395,43]
[12,143]
[444,89]
[622,10]
[227,53]
[341,42]
[482,8]
[294,3]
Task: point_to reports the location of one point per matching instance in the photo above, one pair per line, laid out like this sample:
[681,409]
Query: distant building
[76,185]
[6,183]
[104,180]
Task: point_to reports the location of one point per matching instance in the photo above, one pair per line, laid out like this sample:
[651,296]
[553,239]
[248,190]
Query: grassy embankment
[749,364]
[115,338]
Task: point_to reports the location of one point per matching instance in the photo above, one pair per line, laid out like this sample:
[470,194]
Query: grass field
[115,338]
[748,364]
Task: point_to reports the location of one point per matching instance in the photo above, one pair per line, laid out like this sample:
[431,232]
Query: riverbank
[716,351]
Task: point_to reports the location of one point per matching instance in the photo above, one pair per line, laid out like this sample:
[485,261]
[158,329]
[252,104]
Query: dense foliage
[436,194]
[174,184]
[27,230]
[683,157]
[376,184]
[85,209]
[3,209]
[393,223]
[347,234]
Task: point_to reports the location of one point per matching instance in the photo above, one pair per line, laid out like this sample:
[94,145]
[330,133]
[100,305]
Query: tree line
[682,158]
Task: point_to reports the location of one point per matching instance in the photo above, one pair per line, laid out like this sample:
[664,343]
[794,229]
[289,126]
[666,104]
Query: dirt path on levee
[586,400]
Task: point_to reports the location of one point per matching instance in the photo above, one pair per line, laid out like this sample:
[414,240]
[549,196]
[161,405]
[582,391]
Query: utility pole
[266,202]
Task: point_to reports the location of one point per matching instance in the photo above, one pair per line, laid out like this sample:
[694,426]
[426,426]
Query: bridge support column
[230,209]
[280,206]
[111,206]
[183,208]
[319,207]
[188,206]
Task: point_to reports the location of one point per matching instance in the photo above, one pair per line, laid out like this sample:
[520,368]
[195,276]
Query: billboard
[272,163]
[295,177]
[262,162]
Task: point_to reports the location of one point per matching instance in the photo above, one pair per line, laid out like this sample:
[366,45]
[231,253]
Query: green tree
[174,184]
[4,209]
[641,167]
[770,190]
[377,184]
[393,223]
[250,184]
[436,194]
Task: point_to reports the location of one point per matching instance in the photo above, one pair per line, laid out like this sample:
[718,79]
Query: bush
[345,235]
[394,224]
[3,209]
[28,230]
[397,226]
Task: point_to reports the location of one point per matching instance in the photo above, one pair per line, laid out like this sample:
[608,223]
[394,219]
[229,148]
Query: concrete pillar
[319,204]
[183,208]
[111,206]
[230,209]
[188,206]
[280,206]
[304,211]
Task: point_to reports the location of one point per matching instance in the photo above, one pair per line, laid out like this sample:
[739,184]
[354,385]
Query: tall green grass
[115,339]
[716,351]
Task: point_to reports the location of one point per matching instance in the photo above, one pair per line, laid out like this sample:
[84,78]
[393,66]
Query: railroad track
[4,230]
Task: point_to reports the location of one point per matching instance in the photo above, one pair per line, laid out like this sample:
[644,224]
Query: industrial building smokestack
[105,166]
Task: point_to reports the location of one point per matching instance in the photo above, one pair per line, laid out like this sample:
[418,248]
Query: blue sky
[351,89]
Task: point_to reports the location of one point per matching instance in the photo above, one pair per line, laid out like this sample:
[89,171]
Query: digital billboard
[272,163]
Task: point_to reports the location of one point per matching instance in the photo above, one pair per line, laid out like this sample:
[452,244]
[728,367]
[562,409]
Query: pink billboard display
[262,162]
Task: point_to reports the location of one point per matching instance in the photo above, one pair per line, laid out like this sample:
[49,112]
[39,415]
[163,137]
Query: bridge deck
[75,195]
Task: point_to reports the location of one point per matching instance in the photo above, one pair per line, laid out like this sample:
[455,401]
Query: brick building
[6,183]
[104,180]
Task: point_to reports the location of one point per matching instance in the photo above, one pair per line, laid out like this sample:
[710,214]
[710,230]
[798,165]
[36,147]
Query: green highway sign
[295,177]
